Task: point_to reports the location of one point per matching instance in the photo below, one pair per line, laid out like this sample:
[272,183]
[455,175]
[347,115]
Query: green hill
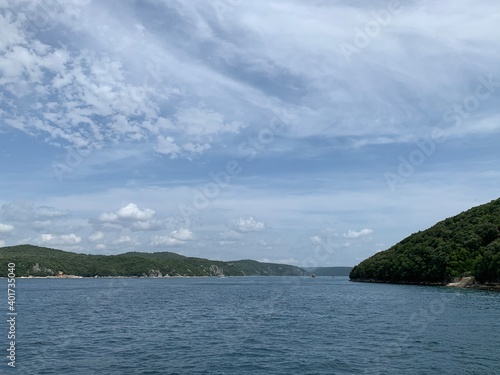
[467,244]
[40,261]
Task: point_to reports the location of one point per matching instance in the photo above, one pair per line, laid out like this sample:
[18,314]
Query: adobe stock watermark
[425,148]
[220,180]
[419,321]
[11,314]
[44,16]
[322,251]
[73,159]
[270,306]
[74,156]
[223,7]
[379,20]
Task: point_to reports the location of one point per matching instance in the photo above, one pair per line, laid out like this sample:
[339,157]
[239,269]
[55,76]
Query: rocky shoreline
[471,282]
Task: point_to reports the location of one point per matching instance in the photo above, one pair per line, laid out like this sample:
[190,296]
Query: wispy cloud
[115,121]
[6,228]
[175,238]
[248,224]
[358,234]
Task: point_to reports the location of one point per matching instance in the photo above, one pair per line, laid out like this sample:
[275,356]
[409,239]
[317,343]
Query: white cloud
[316,240]
[46,237]
[131,211]
[108,217]
[28,212]
[149,225]
[362,233]
[167,146]
[123,240]
[64,239]
[325,238]
[182,234]
[2,243]
[165,241]
[176,237]
[87,83]
[96,236]
[6,228]
[70,238]
[200,122]
[249,224]
[287,62]
[129,217]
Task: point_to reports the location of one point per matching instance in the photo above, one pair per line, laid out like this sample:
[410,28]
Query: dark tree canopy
[467,244]
[40,261]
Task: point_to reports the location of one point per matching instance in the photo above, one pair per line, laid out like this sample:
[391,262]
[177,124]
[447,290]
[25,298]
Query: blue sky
[311,133]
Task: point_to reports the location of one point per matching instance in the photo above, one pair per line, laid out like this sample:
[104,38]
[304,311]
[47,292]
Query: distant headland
[35,261]
[461,251]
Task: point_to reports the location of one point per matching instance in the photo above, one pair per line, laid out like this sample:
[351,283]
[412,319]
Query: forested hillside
[466,244]
[41,261]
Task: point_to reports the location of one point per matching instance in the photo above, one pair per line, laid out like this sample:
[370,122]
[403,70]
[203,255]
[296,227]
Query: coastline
[108,277]
[146,277]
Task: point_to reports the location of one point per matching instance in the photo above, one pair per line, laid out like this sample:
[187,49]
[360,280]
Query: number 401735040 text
[11,314]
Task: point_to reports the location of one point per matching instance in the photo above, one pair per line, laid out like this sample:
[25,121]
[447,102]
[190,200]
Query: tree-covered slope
[40,261]
[466,244]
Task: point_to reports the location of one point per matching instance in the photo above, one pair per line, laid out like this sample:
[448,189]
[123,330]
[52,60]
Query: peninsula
[465,246]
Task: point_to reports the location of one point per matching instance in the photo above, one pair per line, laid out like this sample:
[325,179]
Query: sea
[249,325]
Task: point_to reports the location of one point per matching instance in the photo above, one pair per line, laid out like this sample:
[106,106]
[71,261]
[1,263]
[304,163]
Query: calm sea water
[266,325]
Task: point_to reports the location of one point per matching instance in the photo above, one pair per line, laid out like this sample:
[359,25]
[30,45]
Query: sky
[310,133]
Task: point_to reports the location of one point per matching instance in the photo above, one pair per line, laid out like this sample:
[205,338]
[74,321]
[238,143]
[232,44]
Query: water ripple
[253,326]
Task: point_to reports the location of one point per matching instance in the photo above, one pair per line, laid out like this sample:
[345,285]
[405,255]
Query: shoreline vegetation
[144,277]
[38,261]
[41,262]
[462,251]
